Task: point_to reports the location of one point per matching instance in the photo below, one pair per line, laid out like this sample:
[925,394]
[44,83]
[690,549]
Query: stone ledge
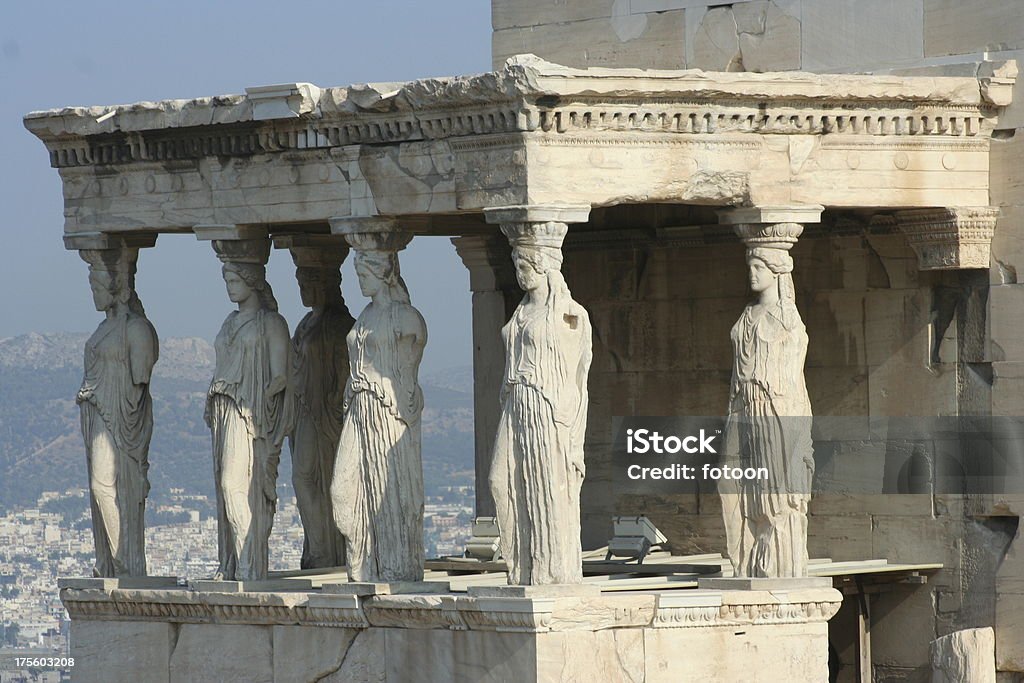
[456,611]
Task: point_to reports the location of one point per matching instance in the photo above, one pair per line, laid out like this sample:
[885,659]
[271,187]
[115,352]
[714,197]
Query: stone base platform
[178,634]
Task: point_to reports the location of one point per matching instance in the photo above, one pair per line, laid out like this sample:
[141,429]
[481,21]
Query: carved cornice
[950,238]
[527,96]
[455,611]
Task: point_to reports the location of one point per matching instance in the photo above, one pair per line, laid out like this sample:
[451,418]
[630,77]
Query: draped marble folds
[769,418]
[248,412]
[117,413]
[377,492]
[318,375]
[538,467]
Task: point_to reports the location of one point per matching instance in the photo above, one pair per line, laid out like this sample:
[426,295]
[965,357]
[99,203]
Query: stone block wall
[755,35]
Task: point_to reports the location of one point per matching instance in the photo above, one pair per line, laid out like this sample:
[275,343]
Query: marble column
[318,374]
[538,467]
[496,294]
[768,423]
[115,403]
[248,407]
[377,490]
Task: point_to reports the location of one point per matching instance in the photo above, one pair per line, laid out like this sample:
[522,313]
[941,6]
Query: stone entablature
[459,612]
[299,153]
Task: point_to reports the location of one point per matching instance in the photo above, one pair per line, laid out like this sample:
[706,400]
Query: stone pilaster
[495,296]
[950,238]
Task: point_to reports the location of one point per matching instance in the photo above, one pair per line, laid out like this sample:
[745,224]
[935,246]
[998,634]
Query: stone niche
[697,635]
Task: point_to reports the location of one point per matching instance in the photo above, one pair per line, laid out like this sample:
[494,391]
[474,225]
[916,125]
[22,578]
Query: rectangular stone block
[795,653]
[121,651]
[713,321]
[903,626]
[840,35]
[896,324]
[441,655]
[835,325]
[520,13]
[230,654]
[1009,627]
[613,655]
[1012,116]
[844,538]
[839,391]
[1007,265]
[651,41]
[365,660]
[956,27]
[1008,388]
[309,653]
[1006,322]
[916,540]
[1006,177]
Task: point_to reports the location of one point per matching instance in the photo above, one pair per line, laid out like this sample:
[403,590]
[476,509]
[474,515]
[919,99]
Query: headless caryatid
[377,492]
[769,424]
[248,411]
[538,468]
[117,413]
[319,373]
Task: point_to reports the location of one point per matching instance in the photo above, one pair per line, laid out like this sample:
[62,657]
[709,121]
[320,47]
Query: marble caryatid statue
[537,468]
[377,492]
[768,424]
[248,411]
[319,373]
[117,413]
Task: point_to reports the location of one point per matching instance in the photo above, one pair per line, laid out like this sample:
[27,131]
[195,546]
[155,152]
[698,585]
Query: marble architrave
[537,468]
[768,423]
[454,145]
[247,409]
[319,372]
[117,411]
[377,490]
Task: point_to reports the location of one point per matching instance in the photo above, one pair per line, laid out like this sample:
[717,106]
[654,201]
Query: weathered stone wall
[755,35]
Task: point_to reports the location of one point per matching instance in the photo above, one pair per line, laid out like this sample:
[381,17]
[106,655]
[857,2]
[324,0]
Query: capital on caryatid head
[314,250]
[537,225]
[376,233]
[770,227]
[112,253]
[237,243]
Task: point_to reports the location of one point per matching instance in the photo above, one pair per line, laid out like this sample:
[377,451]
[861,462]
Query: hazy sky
[105,52]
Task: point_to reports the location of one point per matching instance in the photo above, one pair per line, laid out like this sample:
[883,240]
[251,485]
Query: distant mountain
[41,446]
